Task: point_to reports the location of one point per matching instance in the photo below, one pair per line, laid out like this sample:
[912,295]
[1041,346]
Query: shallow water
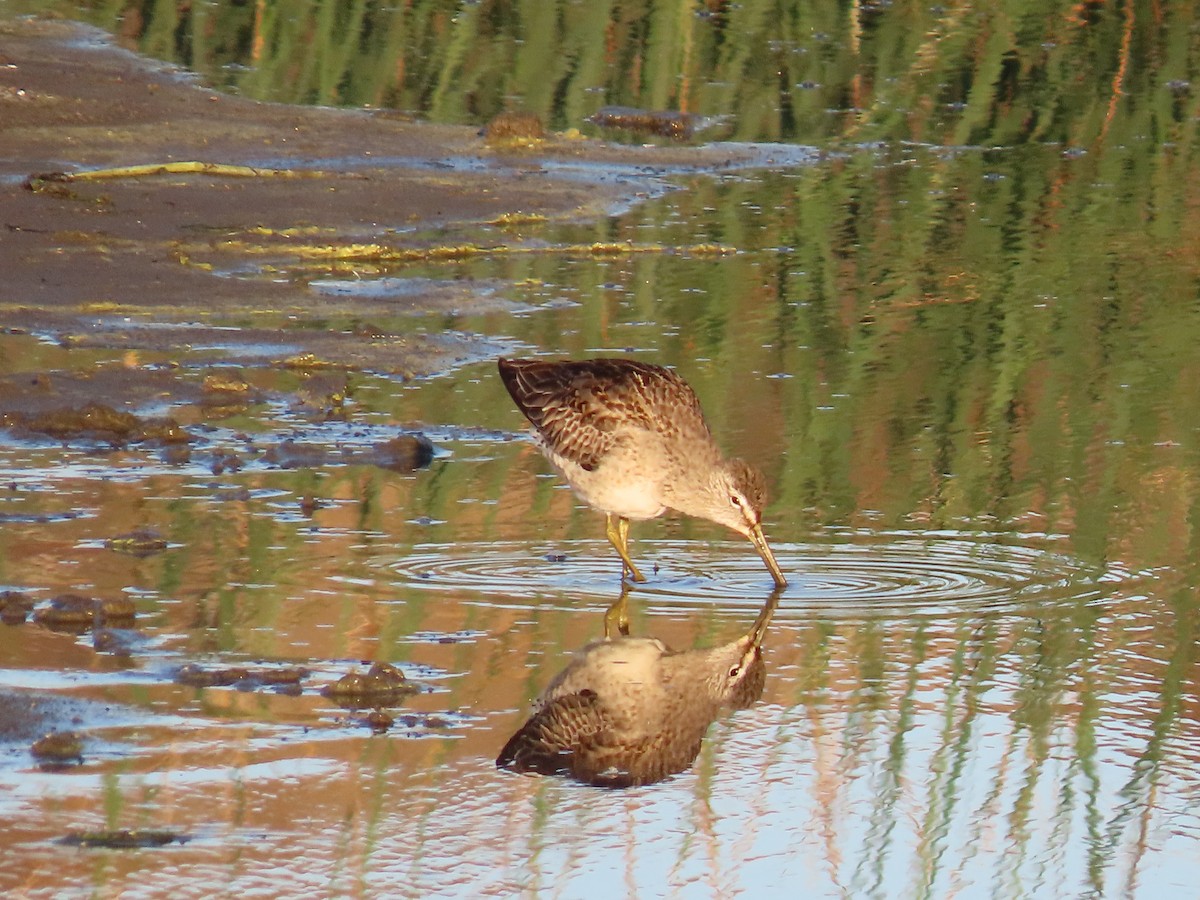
[971,379]
[983,707]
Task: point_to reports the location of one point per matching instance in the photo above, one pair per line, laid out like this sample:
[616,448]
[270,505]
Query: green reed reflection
[970,73]
[994,340]
[932,339]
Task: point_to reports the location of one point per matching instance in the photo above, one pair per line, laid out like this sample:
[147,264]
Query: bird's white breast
[619,486]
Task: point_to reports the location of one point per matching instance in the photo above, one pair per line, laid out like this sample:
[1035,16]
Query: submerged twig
[190,167]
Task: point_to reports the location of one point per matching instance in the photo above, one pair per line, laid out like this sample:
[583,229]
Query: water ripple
[863,575]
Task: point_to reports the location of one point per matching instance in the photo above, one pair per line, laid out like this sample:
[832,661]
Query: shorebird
[631,441]
[632,711]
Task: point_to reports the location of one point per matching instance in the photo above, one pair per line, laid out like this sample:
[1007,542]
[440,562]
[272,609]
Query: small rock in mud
[117,608]
[176,454]
[58,750]
[116,641]
[98,422]
[194,675]
[432,722]
[286,679]
[124,839]
[225,388]
[289,454]
[514,128]
[310,504]
[15,607]
[378,721]
[404,453]
[223,461]
[227,394]
[324,391]
[310,361]
[383,685]
[139,542]
[77,613]
[162,430]
[67,611]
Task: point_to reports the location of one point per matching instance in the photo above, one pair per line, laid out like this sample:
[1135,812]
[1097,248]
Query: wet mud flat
[250,245]
[156,262]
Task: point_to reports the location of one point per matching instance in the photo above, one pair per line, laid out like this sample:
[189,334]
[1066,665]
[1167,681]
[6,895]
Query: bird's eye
[735,500]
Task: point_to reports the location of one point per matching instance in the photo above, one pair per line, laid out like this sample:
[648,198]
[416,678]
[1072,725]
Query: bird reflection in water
[630,711]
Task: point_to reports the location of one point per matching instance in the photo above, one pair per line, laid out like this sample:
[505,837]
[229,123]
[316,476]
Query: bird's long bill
[760,544]
[759,631]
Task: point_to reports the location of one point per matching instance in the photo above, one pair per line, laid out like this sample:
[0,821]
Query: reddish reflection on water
[971,378]
[929,696]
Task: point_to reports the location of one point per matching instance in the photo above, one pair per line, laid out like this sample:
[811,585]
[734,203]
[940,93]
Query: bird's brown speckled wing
[582,408]
[574,735]
[547,742]
[609,759]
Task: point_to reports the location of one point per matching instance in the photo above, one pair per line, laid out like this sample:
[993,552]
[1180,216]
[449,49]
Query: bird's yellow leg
[617,615]
[618,536]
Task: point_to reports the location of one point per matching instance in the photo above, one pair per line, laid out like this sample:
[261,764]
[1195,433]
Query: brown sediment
[75,613]
[96,422]
[382,685]
[125,839]
[249,677]
[169,221]
[193,181]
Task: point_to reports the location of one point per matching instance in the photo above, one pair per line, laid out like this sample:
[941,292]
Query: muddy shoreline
[109,263]
[183,271]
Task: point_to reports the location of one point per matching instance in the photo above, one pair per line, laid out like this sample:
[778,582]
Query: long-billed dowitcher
[631,711]
[631,440]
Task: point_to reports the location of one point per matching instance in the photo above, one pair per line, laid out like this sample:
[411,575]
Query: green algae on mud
[140,542]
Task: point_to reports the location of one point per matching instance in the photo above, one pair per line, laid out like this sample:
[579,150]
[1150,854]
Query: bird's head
[736,496]
[737,673]
[737,493]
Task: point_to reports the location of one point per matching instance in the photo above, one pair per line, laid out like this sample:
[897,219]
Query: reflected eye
[733,673]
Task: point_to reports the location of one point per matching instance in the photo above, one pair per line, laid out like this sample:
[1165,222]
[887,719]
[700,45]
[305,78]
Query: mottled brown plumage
[631,440]
[631,711]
